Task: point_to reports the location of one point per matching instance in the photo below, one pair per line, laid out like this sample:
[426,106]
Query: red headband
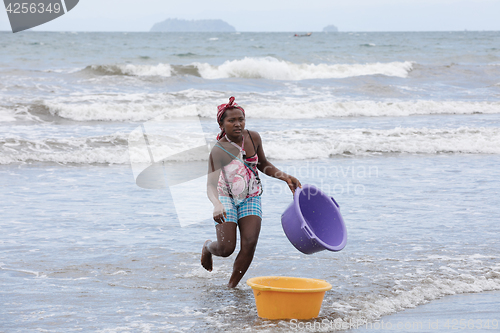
[222,109]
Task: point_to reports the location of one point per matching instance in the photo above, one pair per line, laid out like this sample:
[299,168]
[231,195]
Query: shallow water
[401,128]
[474,312]
[85,248]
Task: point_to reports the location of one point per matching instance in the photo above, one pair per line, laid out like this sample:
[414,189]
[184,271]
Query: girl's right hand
[293,183]
[220,215]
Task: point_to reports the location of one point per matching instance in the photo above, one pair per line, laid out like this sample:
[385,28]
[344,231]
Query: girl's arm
[214,170]
[269,169]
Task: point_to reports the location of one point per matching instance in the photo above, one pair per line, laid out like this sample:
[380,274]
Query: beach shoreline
[477,312]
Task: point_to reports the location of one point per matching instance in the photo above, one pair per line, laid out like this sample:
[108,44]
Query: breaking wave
[284,145]
[274,69]
[257,68]
[145,107]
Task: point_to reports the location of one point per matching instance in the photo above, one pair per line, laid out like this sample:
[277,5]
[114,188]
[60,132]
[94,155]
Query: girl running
[235,189]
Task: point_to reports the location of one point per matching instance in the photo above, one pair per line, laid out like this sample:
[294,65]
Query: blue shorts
[249,206]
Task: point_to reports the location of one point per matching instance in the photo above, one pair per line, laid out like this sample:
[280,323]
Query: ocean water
[403,129]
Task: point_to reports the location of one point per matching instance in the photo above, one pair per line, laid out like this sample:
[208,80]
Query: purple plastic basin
[312,222]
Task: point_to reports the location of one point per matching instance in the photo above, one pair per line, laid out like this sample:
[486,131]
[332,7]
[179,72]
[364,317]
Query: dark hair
[222,118]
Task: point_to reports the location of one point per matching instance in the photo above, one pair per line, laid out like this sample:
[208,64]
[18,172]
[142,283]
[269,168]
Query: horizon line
[232,32]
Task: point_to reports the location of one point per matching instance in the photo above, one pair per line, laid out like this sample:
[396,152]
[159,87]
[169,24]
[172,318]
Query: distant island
[193,26]
[330,28]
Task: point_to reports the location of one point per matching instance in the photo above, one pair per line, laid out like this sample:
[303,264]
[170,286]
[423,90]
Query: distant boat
[306,35]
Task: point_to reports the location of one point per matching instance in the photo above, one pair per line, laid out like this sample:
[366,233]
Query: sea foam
[280,145]
[322,143]
[130,69]
[142,108]
[371,307]
[367,108]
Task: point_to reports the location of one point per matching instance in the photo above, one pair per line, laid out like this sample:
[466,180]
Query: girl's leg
[249,233]
[223,247]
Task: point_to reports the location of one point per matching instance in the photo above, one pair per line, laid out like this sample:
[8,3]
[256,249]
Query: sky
[281,15]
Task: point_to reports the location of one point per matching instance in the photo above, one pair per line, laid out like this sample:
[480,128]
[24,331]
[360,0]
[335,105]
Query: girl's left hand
[293,183]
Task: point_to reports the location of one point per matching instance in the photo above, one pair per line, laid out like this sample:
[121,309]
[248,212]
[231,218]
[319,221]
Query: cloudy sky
[282,15]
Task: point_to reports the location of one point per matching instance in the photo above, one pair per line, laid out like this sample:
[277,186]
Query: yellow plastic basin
[282,297]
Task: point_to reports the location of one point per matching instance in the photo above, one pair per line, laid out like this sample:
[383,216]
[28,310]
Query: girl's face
[234,122]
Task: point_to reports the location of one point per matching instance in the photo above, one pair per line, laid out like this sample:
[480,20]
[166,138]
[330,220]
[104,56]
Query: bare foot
[206,257]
